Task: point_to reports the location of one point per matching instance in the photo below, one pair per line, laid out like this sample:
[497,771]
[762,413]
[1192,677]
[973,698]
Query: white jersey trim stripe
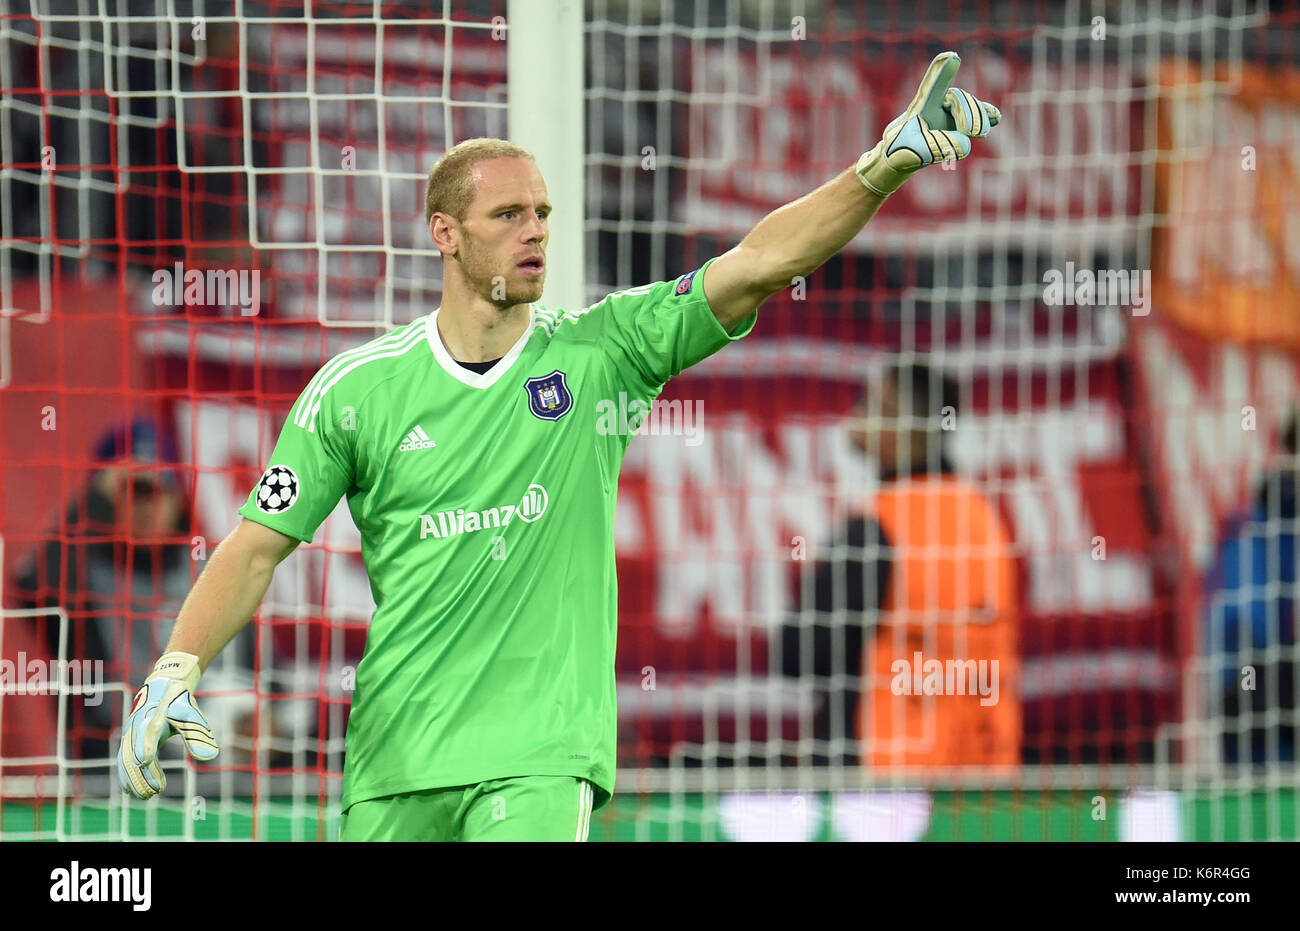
[304,413]
[313,386]
[591,798]
[549,318]
[584,811]
[637,289]
[412,340]
[577,834]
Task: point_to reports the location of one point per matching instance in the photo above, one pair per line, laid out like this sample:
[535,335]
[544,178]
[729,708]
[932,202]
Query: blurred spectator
[114,566]
[1251,620]
[925,568]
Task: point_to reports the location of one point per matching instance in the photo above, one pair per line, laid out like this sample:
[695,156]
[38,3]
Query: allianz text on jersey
[443,524]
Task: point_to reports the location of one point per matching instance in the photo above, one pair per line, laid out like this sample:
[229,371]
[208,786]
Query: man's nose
[536,230]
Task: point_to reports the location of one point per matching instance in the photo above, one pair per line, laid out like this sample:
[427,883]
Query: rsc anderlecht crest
[549,396]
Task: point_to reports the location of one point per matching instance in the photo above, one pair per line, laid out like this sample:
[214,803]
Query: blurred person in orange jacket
[911,636]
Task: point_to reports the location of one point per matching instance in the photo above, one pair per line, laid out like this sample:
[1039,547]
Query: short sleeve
[654,332]
[312,465]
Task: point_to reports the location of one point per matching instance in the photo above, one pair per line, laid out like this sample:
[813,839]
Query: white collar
[459,372]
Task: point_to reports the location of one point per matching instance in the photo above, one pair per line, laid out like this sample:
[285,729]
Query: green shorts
[523,808]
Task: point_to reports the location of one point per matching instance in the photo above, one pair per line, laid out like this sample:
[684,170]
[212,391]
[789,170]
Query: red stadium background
[1082,434]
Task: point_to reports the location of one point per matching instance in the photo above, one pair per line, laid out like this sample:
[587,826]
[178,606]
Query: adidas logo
[417,439]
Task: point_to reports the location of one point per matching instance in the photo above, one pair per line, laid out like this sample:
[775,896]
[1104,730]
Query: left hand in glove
[163,708]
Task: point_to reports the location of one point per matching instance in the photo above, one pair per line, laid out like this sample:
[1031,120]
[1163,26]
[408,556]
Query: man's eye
[508,214]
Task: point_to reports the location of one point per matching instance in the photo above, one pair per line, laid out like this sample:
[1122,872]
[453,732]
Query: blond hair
[450,189]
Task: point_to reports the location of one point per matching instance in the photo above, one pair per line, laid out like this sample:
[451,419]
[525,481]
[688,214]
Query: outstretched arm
[793,240]
[797,238]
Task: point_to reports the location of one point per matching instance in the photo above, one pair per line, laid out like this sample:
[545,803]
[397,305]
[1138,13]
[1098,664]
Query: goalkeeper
[468,446]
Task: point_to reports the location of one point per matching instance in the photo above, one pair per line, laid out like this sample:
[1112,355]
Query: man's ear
[443,233]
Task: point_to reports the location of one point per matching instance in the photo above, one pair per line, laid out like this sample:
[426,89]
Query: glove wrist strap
[183,667]
[876,175]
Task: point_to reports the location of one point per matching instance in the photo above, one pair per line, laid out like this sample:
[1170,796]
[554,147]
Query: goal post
[546,105]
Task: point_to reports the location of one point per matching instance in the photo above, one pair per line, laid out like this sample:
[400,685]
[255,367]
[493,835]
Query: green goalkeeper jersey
[486,509]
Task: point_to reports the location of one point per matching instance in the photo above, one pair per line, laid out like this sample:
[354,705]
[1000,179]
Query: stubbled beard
[481,278]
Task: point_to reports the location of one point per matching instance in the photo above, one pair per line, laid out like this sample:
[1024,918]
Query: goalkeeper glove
[937,125]
[163,708]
